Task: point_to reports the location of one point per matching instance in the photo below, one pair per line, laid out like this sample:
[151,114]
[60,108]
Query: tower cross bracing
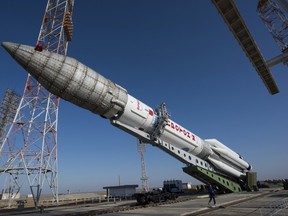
[28,150]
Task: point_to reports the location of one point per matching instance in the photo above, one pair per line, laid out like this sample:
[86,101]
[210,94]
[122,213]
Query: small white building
[5,196]
[121,190]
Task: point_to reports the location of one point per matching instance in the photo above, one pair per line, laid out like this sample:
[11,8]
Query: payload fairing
[75,82]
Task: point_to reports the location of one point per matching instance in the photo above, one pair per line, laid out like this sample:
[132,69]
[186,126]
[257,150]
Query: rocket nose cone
[21,53]
[10,47]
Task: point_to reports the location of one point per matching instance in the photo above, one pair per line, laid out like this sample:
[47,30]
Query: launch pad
[263,202]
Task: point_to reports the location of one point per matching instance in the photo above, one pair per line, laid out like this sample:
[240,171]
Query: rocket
[73,81]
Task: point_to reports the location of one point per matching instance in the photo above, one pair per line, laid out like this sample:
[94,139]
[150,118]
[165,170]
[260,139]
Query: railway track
[92,208]
[131,206]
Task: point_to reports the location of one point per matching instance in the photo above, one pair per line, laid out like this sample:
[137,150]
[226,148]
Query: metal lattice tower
[29,149]
[273,13]
[8,109]
[144,178]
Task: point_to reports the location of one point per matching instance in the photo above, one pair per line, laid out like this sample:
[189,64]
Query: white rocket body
[138,115]
[75,82]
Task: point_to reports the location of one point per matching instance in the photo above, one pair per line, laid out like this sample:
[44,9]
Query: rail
[279,207]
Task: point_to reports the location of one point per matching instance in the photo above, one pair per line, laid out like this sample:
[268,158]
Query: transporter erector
[73,81]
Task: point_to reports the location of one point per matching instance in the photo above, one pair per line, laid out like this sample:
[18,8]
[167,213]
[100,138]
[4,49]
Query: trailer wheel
[156,199]
[173,196]
[141,200]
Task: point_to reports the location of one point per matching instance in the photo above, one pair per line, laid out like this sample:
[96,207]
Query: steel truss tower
[144,178]
[28,151]
[8,109]
[274,13]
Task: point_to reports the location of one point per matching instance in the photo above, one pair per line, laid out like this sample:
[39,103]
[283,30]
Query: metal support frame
[144,178]
[29,148]
[8,110]
[273,14]
[163,117]
[208,176]
[231,15]
[195,166]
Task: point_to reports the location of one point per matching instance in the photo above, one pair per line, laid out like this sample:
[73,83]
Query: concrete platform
[246,203]
[263,202]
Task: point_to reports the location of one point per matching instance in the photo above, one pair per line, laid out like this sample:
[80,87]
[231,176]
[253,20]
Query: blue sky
[177,52]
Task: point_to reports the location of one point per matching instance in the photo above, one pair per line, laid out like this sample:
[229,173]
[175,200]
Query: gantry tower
[8,109]
[236,24]
[28,150]
[273,14]
[144,178]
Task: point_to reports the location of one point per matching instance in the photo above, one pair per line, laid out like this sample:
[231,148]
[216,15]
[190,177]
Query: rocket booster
[73,81]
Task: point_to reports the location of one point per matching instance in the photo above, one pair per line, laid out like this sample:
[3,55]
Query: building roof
[120,186]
